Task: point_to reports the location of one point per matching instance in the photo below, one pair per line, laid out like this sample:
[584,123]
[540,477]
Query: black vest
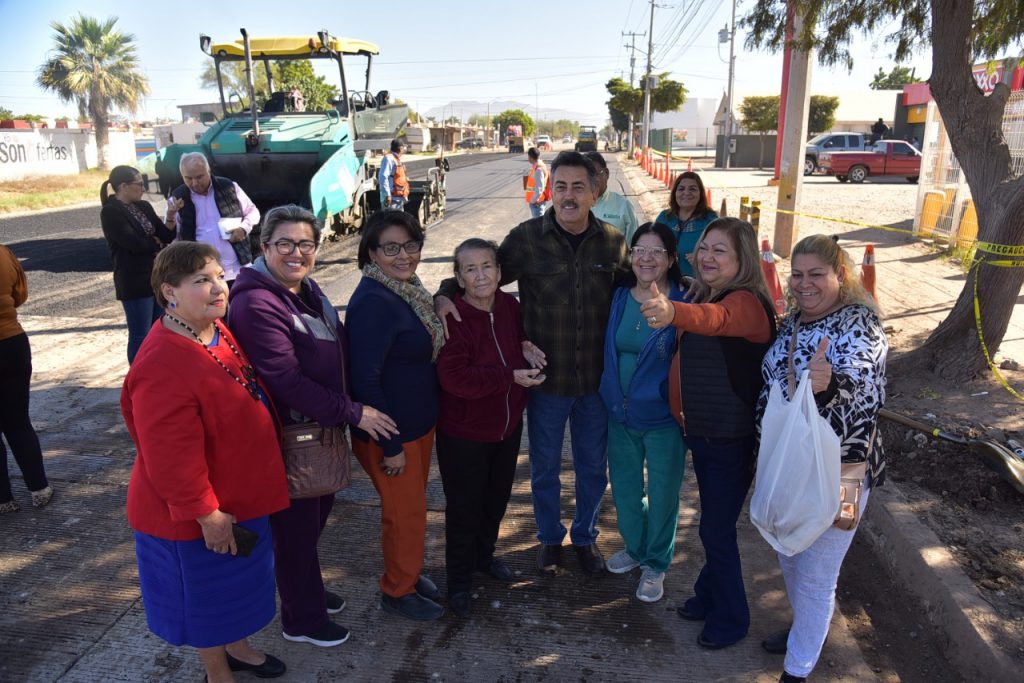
[720,379]
[227,205]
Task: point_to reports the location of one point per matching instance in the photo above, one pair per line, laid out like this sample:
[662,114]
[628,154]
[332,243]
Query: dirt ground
[976,514]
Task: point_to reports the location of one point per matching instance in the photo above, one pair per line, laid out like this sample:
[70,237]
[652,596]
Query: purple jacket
[292,342]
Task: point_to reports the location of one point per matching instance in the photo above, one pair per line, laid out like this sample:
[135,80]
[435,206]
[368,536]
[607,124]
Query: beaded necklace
[249,383]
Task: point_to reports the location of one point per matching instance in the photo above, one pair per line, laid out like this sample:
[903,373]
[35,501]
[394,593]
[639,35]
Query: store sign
[987,78]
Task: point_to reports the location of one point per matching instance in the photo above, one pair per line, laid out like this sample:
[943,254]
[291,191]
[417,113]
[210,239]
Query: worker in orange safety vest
[392,179]
[537,184]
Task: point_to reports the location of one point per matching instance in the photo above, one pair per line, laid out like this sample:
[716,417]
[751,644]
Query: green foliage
[760,114]
[898,77]
[822,114]
[831,25]
[477,120]
[559,128]
[669,95]
[95,66]
[33,118]
[299,74]
[233,77]
[6,113]
[513,117]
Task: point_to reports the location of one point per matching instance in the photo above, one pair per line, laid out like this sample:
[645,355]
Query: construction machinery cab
[586,141]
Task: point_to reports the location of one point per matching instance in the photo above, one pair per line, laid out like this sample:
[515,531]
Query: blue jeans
[140,314]
[588,426]
[537,210]
[724,469]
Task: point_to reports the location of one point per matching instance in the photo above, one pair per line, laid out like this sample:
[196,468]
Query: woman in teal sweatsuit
[634,388]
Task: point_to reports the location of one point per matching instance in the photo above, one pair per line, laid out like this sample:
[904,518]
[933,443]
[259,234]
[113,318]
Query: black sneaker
[335,603]
[461,603]
[776,643]
[328,635]
[412,606]
[501,571]
[427,588]
[272,667]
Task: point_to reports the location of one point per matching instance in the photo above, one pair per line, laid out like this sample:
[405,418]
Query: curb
[923,569]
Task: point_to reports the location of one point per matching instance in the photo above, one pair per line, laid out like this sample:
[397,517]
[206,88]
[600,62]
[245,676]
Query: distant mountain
[466,108]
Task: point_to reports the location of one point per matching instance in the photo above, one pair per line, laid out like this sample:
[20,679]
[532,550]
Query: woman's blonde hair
[744,241]
[851,291]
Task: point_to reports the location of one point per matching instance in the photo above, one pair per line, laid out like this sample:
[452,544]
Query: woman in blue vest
[715,381]
[634,388]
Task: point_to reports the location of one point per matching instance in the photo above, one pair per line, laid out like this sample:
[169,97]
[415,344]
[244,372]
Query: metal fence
[945,210]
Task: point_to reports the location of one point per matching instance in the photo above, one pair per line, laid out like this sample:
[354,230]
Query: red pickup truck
[888,157]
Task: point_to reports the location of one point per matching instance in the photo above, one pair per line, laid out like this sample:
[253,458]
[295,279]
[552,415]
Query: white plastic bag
[796,494]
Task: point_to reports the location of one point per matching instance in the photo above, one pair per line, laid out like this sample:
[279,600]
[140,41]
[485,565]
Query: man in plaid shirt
[567,264]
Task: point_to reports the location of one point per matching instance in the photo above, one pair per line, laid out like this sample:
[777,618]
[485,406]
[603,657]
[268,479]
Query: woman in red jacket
[483,376]
[208,458]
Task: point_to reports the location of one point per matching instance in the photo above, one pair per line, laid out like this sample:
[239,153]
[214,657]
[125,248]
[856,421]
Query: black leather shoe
[709,645]
[272,667]
[461,603]
[427,589]
[501,571]
[549,559]
[789,678]
[686,613]
[776,642]
[412,606]
[590,558]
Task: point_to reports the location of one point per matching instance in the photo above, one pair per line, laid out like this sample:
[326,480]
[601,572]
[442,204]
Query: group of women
[688,364]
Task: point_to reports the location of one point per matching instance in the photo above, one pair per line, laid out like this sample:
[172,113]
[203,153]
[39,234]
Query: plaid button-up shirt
[566,295]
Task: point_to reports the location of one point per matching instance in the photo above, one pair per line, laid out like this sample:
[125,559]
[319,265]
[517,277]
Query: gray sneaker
[621,562]
[652,586]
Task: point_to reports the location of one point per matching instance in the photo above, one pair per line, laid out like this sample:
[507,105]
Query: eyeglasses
[653,252]
[140,183]
[392,248]
[285,247]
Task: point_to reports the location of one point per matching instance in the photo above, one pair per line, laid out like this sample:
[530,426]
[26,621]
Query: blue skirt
[196,597]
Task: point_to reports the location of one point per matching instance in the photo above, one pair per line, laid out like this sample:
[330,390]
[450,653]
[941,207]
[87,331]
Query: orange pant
[403,511]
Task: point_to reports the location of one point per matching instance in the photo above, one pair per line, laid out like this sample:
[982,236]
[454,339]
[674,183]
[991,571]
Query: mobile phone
[541,377]
[245,539]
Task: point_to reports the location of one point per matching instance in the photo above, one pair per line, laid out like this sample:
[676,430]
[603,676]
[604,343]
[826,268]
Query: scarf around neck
[415,294]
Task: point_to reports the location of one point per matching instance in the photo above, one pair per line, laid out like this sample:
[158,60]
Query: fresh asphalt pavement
[70,608]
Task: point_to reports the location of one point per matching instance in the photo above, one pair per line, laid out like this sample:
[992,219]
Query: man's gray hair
[189,158]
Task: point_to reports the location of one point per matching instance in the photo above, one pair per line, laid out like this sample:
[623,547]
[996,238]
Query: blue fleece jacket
[645,406]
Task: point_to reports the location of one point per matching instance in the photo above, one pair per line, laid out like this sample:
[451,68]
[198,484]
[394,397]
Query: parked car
[544,143]
[470,143]
[886,158]
[831,142]
[567,139]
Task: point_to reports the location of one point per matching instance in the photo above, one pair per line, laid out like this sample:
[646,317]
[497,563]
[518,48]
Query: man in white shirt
[611,207]
[214,210]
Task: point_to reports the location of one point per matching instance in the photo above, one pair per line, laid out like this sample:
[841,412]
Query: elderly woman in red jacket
[483,376]
[207,475]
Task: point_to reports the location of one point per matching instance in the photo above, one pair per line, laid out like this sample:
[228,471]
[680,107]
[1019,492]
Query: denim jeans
[811,578]
[537,210]
[588,426]
[140,315]
[724,469]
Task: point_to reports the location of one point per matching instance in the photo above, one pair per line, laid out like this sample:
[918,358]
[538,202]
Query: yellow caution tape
[981,337]
[847,221]
[1000,249]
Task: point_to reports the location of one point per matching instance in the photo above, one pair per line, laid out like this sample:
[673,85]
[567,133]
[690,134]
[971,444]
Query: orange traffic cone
[771,277]
[668,173]
[689,164]
[709,196]
[867,271]
[722,212]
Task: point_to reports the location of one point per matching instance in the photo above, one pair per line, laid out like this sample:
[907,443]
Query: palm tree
[94,66]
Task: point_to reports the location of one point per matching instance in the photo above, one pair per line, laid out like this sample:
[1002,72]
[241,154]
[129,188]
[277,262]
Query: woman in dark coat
[134,235]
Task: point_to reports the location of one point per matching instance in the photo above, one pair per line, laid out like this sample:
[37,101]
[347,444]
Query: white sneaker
[621,562]
[652,586]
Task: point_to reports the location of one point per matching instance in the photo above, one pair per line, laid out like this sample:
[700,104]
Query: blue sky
[431,53]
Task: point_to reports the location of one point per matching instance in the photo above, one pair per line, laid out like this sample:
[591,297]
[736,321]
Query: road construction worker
[393,181]
[538,194]
[611,207]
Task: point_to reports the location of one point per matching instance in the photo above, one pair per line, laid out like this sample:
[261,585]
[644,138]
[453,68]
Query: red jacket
[480,400]
[203,443]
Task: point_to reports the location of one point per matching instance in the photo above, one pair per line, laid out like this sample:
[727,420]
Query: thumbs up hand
[657,309]
[819,368]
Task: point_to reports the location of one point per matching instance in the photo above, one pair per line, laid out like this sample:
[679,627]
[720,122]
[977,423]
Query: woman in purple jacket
[295,340]
[483,376]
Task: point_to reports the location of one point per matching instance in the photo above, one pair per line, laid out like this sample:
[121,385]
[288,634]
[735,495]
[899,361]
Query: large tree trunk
[101,124]
[973,122]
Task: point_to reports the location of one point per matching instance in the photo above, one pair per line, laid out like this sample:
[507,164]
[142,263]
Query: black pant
[15,376]
[477,480]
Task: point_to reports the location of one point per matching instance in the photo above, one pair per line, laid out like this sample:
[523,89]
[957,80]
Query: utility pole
[732,75]
[647,83]
[632,64]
